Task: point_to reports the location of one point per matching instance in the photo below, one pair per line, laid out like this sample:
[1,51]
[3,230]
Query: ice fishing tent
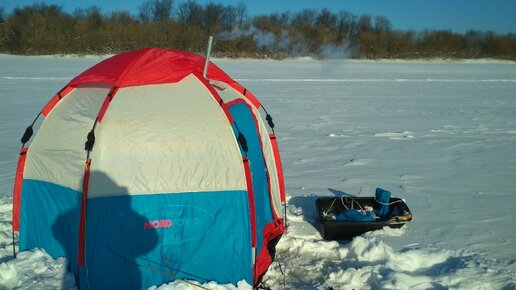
[144,171]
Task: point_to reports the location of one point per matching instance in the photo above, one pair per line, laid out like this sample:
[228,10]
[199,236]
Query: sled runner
[343,218]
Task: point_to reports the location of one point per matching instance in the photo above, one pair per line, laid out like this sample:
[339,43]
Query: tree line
[186,25]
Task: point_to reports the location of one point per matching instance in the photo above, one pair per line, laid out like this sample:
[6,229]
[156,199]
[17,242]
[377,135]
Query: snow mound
[368,263]
[35,270]
[6,240]
[192,285]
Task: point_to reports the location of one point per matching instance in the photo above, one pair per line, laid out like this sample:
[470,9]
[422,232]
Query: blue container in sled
[343,218]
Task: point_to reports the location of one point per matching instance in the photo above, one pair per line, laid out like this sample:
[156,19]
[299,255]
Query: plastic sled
[338,225]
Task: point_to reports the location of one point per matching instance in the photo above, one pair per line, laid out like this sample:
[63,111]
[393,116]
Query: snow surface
[441,135]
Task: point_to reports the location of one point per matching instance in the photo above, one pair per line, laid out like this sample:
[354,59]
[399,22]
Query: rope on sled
[344,204]
[387,203]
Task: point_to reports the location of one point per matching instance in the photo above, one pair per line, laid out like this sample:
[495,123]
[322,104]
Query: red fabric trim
[248,95]
[217,87]
[149,66]
[279,166]
[250,195]
[18,181]
[57,97]
[234,102]
[264,259]
[106,103]
[50,105]
[82,224]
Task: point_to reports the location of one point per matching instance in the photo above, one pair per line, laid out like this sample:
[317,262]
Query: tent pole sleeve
[57,97]
[279,170]
[252,211]
[250,193]
[18,181]
[82,224]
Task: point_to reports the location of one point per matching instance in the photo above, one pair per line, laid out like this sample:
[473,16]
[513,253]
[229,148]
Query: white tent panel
[226,92]
[57,152]
[165,138]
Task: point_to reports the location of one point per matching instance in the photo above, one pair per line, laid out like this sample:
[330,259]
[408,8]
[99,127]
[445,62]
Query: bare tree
[326,19]
[162,10]
[2,17]
[155,10]
[381,23]
[241,12]
[364,23]
[94,17]
[347,26]
[213,17]
[305,17]
[145,11]
[190,13]
[229,18]
[47,29]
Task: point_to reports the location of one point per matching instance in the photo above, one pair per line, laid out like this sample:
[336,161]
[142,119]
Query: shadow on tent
[109,243]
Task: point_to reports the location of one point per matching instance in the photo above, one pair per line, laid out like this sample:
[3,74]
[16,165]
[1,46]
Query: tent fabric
[200,218]
[54,100]
[141,133]
[246,125]
[166,185]
[41,204]
[18,181]
[57,151]
[279,167]
[230,96]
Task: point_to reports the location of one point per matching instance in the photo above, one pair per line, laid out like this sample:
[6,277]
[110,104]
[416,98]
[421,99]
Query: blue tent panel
[142,240]
[246,125]
[47,206]
[187,235]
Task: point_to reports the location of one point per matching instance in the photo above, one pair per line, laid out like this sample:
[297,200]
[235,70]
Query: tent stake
[210,42]
[14,246]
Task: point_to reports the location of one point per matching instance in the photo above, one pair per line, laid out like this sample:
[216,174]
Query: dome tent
[178,178]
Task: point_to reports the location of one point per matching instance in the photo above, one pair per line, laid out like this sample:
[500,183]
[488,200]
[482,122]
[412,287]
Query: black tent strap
[29,131]
[110,94]
[242,141]
[268,117]
[90,141]
[269,121]
[27,135]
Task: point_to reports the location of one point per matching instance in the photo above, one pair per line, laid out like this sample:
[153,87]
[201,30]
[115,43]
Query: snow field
[441,135]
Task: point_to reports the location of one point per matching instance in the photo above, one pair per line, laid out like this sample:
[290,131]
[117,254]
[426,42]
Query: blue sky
[457,15]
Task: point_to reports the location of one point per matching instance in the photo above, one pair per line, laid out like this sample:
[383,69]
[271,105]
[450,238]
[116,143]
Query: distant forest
[186,25]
